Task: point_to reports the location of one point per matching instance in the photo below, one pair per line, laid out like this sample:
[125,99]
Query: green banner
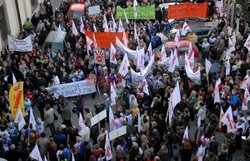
[144,12]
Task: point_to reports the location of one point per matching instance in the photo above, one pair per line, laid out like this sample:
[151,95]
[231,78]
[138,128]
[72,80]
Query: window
[4,30]
[34,4]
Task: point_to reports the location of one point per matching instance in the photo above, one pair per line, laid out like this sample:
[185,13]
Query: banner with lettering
[144,12]
[16,99]
[72,89]
[104,39]
[24,45]
[187,9]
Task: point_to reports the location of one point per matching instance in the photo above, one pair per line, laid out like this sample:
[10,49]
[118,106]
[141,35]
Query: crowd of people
[157,140]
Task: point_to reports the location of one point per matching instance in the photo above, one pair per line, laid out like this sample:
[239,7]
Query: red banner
[105,38]
[187,10]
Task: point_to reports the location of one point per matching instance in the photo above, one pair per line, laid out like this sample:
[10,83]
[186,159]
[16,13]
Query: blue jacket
[234,100]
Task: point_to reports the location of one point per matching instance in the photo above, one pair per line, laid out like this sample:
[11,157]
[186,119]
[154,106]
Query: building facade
[13,14]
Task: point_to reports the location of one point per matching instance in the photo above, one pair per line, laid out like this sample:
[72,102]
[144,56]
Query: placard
[187,9]
[97,118]
[117,133]
[99,56]
[94,10]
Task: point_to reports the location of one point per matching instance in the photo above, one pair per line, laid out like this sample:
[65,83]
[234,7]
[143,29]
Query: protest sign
[23,45]
[99,56]
[187,9]
[117,133]
[97,118]
[16,98]
[71,89]
[104,39]
[143,12]
[94,10]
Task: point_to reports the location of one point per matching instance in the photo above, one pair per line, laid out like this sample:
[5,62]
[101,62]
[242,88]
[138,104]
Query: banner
[143,12]
[94,10]
[99,56]
[117,133]
[187,9]
[16,99]
[72,89]
[24,45]
[104,39]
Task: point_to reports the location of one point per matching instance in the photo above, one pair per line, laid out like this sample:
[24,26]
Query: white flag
[176,95]
[32,120]
[247,43]
[120,28]
[82,26]
[229,30]
[194,76]
[124,66]
[208,66]
[139,126]
[140,59]
[200,153]
[125,40]
[170,112]
[126,17]
[45,159]
[114,23]
[74,29]
[73,157]
[173,61]
[112,123]
[81,125]
[88,42]
[135,33]
[150,51]
[59,28]
[245,100]
[135,11]
[221,115]
[95,42]
[19,119]
[145,86]
[13,78]
[94,27]
[35,154]
[108,151]
[185,136]
[218,84]
[191,55]
[199,121]
[245,82]
[185,29]
[113,95]
[163,56]
[230,49]
[228,67]
[177,38]
[227,119]
[105,24]
[219,5]
[112,54]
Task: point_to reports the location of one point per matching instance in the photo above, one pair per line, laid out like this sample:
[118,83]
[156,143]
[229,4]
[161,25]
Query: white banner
[97,118]
[72,89]
[94,10]
[117,133]
[23,45]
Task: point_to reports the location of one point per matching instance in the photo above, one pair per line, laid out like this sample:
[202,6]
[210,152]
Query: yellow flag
[16,99]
